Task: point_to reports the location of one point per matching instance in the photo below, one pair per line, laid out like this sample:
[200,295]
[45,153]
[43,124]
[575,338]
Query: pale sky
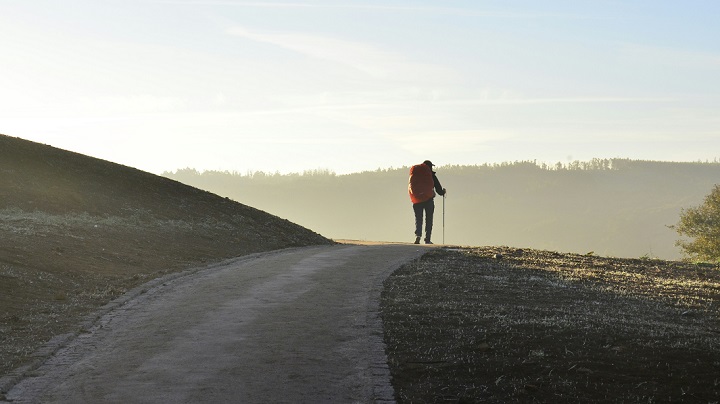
[348,86]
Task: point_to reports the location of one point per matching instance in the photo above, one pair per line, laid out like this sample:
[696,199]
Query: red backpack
[421,186]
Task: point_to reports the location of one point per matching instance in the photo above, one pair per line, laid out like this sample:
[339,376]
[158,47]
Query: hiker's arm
[438,188]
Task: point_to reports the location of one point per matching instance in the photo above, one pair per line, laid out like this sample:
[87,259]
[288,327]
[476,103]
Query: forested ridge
[613,207]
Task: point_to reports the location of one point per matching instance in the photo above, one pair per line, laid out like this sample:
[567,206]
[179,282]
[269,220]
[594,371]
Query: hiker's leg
[429,210]
[418,208]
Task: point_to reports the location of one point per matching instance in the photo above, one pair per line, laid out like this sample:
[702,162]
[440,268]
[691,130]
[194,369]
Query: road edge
[379,368]
[58,342]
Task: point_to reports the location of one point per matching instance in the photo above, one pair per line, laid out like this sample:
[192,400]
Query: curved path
[292,326]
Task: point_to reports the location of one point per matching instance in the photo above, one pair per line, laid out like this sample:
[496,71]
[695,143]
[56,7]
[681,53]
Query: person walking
[422,187]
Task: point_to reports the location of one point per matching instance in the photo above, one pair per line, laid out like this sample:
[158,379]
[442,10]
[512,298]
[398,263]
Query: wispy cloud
[558,100]
[470,12]
[357,55]
[314,104]
[364,57]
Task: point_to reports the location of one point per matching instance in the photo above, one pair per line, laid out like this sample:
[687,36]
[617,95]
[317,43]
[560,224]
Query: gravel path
[293,326]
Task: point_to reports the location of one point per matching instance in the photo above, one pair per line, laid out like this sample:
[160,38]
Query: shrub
[702,225]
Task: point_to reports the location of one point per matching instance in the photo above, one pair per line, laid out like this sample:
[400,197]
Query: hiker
[422,186]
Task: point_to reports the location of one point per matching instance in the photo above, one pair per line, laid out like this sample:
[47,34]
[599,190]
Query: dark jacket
[438,188]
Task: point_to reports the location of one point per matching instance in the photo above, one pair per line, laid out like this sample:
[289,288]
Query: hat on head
[428,162]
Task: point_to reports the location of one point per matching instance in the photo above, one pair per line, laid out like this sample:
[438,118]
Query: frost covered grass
[510,325]
[42,223]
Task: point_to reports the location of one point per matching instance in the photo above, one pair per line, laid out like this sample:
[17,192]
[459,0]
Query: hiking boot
[417,240]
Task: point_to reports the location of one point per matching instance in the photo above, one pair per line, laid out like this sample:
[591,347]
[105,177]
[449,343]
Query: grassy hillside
[77,232]
[612,207]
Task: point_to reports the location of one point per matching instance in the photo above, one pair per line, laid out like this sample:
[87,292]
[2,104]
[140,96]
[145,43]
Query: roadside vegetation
[701,228]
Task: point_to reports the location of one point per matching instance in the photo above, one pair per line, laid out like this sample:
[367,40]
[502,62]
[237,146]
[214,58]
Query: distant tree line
[616,207]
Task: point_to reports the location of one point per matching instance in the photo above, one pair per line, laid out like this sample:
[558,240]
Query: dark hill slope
[78,231]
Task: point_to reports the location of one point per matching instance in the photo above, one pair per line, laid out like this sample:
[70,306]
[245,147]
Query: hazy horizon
[611,207]
[358,85]
[556,165]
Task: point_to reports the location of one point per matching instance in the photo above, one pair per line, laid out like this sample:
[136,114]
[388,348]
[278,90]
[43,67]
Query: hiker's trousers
[429,208]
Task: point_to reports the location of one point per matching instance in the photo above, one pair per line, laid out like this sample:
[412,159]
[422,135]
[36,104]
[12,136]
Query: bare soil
[504,325]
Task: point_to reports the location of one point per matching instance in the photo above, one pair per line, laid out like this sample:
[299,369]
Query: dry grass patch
[509,325]
[57,269]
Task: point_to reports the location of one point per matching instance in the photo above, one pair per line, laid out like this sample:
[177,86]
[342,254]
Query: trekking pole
[443,218]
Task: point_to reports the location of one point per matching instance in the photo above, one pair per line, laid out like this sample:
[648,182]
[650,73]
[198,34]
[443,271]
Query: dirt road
[292,326]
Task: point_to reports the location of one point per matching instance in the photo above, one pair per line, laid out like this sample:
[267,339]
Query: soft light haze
[356,85]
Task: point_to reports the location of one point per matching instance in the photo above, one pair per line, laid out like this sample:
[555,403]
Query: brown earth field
[503,325]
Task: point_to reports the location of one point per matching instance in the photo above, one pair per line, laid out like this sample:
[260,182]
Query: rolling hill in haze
[614,207]
[78,231]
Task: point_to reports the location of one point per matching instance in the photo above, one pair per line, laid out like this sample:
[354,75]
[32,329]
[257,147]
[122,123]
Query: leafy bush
[702,225]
